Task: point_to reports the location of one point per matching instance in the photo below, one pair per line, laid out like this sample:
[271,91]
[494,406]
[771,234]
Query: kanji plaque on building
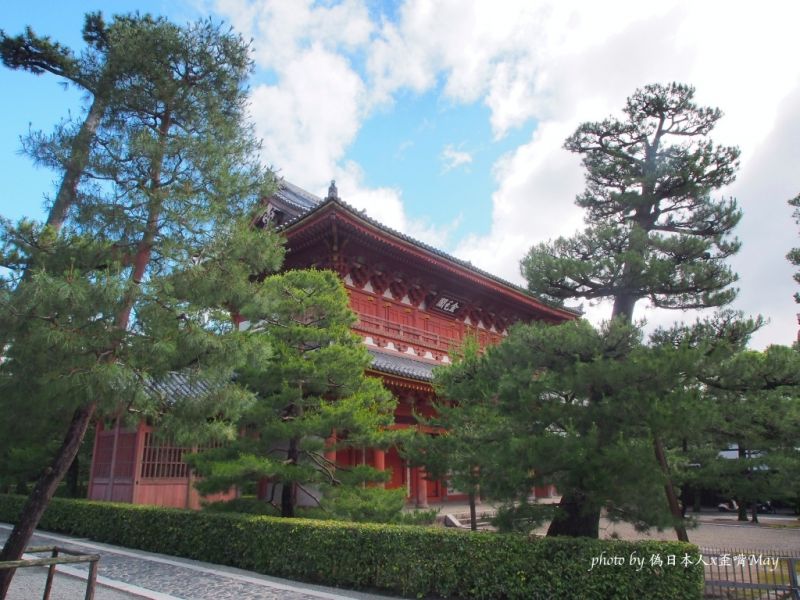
[446,305]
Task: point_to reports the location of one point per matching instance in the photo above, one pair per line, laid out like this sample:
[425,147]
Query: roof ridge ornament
[333,193]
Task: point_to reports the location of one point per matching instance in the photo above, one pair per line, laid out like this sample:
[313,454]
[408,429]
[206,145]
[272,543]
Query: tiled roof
[177,386]
[288,192]
[394,364]
[466,264]
[181,386]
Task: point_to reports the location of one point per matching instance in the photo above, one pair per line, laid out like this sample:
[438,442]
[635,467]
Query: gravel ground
[714,530]
[773,533]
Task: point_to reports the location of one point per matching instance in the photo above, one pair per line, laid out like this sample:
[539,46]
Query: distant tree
[794,253]
[756,414]
[92,310]
[653,230]
[313,387]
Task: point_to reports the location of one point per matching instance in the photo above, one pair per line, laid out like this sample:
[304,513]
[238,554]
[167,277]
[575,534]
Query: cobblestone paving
[185,582]
[28,584]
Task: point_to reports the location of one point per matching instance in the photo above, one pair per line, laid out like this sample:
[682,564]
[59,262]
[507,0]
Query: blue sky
[446,119]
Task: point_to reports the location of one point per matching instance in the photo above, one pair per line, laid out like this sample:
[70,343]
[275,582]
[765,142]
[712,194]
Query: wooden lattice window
[161,460]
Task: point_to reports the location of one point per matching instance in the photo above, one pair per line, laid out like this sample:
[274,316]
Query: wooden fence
[58,556]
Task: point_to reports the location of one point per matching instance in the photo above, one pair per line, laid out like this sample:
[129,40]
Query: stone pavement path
[163,577]
[28,584]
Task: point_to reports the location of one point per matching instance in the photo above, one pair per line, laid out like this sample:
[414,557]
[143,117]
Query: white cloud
[452,158]
[281,29]
[551,63]
[739,62]
[308,119]
[529,205]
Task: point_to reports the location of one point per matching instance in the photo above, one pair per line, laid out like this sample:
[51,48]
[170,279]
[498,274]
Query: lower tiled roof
[396,364]
[175,385]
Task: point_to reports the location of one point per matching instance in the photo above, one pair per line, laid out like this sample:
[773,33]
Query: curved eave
[399,381]
[334,209]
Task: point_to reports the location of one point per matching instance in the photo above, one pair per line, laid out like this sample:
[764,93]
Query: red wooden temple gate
[414,304]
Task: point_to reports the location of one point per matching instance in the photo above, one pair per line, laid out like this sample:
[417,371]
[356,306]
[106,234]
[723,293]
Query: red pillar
[330,451]
[422,488]
[379,457]
[141,431]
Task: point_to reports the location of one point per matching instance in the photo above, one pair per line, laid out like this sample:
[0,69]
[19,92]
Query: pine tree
[653,230]
[573,406]
[109,60]
[93,310]
[310,390]
[470,430]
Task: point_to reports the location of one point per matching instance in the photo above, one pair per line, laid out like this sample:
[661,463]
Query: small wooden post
[92,580]
[51,571]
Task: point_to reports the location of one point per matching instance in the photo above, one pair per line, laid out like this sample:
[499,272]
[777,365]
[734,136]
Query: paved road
[126,574]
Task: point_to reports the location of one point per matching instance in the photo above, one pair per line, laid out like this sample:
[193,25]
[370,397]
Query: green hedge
[412,561]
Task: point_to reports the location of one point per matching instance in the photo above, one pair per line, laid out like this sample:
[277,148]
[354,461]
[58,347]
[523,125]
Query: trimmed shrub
[407,560]
[246,505]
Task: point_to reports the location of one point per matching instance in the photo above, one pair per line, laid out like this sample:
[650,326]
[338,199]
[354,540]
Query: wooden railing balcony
[376,326]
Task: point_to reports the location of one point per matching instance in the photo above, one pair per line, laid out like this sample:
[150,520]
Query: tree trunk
[287,487]
[287,499]
[575,519]
[623,308]
[47,484]
[742,454]
[73,478]
[669,490]
[741,509]
[754,512]
[43,492]
[78,159]
[473,516]
[144,249]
